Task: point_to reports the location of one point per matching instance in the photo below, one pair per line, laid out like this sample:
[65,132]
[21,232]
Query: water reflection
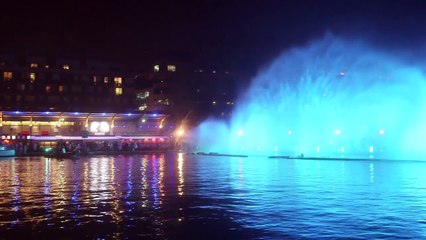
[16,193]
[335,198]
[156,181]
[181,178]
[159,196]
[371,172]
[144,182]
[86,191]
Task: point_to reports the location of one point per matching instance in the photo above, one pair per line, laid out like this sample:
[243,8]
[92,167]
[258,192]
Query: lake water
[179,196]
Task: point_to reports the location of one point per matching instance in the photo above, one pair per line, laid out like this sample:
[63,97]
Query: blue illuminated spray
[331,98]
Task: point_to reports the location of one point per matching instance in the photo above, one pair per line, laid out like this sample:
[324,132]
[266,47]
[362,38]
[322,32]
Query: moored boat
[60,153]
[5,152]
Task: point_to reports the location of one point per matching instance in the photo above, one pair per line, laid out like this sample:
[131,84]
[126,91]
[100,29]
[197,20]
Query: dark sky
[238,34]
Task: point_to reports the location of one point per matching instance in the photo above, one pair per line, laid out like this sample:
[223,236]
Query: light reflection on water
[187,196]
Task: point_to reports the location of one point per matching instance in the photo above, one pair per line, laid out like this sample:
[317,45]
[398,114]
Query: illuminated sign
[99,128]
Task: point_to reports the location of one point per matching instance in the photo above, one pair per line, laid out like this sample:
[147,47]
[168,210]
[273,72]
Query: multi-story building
[185,91]
[64,84]
[42,130]
[178,90]
[158,88]
[48,100]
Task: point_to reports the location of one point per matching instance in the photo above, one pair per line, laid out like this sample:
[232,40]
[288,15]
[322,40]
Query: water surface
[179,196]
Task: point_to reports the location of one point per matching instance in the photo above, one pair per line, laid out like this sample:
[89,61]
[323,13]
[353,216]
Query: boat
[67,155]
[60,153]
[6,152]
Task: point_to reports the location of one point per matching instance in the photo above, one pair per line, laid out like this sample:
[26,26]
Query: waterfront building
[46,129]
[54,96]
[75,84]
[187,92]
[64,84]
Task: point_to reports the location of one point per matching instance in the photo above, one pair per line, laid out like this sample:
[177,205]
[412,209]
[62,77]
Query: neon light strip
[54,138]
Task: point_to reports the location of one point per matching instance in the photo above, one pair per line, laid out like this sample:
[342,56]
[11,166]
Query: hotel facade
[52,99]
[49,100]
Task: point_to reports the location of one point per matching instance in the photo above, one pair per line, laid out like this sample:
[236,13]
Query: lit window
[171,68]
[7,75]
[118,91]
[106,79]
[143,107]
[143,95]
[46,66]
[94,79]
[48,88]
[99,127]
[163,101]
[34,65]
[32,77]
[156,68]
[66,66]
[61,88]
[118,81]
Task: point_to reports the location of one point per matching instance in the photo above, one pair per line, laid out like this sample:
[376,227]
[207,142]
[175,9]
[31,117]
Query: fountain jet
[330,98]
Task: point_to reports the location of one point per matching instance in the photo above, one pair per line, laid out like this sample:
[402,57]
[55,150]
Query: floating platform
[7,153]
[346,158]
[215,154]
[219,154]
[326,158]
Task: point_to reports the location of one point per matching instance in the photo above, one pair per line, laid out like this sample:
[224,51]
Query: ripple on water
[167,197]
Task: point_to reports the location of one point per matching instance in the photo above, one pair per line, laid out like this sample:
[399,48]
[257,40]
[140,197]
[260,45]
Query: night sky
[239,35]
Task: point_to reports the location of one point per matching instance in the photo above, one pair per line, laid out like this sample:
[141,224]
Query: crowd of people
[29,147]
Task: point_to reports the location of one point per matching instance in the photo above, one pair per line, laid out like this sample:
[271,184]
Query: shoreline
[95,153]
[286,157]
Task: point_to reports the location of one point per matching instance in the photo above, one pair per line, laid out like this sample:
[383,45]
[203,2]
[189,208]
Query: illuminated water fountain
[331,98]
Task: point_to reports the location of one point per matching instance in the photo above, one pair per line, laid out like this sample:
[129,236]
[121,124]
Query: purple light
[129,114]
[103,114]
[17,112]
[47,112]
[76,113]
